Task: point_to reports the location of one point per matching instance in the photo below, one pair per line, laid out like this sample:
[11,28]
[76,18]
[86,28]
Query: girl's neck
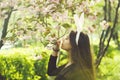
[69,59]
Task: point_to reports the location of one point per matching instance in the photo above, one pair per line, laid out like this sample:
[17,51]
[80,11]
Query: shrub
[24,64]
[109,68]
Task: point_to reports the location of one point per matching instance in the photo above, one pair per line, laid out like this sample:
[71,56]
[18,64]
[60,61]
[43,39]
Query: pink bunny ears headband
[79,21]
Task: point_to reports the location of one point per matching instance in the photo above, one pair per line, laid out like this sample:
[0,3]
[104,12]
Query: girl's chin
[62,48]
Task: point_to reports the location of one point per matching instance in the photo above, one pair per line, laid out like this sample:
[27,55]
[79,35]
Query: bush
[24,64]
[109,68]
[31,64]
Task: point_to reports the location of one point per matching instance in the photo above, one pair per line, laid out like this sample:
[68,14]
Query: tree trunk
[5,26]
[116,39]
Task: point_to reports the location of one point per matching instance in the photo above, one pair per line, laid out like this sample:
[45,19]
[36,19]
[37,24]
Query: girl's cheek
[58,42]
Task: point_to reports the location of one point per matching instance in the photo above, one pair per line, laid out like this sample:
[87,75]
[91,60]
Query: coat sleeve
[53,70]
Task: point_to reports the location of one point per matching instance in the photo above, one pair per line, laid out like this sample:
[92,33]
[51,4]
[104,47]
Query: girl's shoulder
[60,77]
[74,73]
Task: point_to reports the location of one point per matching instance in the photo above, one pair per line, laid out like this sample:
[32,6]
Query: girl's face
[65,43]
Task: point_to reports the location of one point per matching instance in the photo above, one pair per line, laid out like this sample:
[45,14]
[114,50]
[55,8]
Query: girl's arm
[53,70]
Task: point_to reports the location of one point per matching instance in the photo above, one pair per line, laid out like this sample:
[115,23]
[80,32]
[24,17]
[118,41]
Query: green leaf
[66,25]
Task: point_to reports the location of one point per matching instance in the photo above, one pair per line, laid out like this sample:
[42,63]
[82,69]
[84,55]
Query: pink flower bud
[104,25]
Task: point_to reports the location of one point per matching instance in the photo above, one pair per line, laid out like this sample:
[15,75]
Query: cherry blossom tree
[108,30]
[47,20]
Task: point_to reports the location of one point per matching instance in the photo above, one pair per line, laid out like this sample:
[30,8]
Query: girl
[80,64]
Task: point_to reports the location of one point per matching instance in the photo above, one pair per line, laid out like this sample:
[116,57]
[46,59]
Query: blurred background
[28,28]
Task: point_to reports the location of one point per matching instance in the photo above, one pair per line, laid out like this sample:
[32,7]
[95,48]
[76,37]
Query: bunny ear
[79,23]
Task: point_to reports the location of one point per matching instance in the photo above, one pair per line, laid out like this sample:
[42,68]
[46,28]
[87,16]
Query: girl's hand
[56,48]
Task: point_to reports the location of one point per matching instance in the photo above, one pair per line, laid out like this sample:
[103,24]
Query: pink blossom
[32,2]
[48,9]
[97,1]
[12,2]
[104,25]
[112,1]
[92,17]
[65,16]
[60,17]
[91,29]
[26,37]
[55,1]
[69,2]
[41,0]
[51,39]
[56,16]
[80,8]
[5,16]
[34,10]
[57,27]
[4,4]
[40,28]
[4,12]
[92,3]
[20,32]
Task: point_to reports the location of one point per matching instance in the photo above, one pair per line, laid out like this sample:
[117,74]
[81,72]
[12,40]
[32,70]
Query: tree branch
[111,34]
[101,44]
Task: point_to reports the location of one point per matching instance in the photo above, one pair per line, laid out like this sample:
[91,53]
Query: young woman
[80,64]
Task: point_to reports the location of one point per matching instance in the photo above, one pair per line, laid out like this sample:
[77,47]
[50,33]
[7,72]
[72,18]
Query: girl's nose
[58,42]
